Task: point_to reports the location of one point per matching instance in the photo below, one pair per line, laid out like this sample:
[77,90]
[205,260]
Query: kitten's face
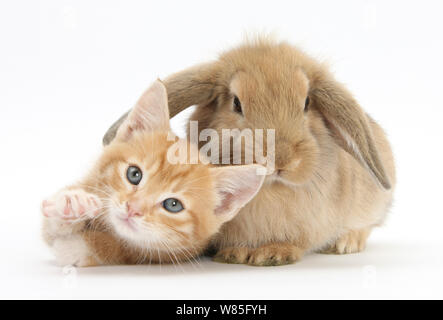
[155,204]
[161,206]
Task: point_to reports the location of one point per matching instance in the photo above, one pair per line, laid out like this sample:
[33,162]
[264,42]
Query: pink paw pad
[71,205]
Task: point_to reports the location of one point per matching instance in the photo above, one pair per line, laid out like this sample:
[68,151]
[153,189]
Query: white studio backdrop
[68,69]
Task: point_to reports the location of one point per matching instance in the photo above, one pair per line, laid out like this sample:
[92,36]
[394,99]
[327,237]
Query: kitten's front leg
[65,215]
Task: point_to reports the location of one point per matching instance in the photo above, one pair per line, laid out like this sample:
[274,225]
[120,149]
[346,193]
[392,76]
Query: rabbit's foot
[71,204]
[275,254]
[233,255]
[73,251]
[351,242]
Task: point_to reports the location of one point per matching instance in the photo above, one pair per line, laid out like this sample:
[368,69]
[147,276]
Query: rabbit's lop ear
[195,85]
[149,114]
[349,125]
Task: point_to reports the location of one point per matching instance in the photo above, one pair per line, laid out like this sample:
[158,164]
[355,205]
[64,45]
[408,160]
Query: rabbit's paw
[71,204]
[233,255]
[351,242]
[73,251]
[275,254]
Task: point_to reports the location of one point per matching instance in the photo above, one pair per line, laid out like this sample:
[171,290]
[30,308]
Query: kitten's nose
[132,210]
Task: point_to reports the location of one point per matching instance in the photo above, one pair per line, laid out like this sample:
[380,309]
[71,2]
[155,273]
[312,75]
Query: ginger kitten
[135,206]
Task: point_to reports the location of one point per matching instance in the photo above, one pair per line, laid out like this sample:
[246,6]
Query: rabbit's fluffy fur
[335,170]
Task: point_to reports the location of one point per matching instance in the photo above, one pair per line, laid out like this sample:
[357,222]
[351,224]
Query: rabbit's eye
[237,105]
[307,104]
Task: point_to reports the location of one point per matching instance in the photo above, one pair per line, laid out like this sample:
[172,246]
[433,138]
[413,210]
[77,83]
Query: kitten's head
[158,205]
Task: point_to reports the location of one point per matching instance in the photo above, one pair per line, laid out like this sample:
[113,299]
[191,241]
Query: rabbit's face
[255,99]
[264,85]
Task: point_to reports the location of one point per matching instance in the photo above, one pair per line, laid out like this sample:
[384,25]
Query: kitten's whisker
[179,249]
[96,188]
[189,255]
[167,252]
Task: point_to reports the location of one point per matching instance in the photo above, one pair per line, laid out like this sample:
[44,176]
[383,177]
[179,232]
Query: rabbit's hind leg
[352,242]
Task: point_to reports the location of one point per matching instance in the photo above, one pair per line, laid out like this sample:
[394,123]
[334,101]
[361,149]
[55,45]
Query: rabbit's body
[334,173]
[334,212]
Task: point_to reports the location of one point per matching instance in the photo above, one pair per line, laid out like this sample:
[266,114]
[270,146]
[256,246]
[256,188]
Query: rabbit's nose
[284,155]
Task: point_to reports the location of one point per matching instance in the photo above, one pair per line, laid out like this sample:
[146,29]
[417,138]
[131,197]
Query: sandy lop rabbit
[335,172]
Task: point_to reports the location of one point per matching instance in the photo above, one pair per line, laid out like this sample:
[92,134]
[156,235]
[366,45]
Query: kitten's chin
[132,233]
[128,231]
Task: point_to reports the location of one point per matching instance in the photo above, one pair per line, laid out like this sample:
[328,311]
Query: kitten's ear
[235,186]
[149,114]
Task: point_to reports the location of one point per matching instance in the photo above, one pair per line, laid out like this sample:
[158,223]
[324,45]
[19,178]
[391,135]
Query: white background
[68,69]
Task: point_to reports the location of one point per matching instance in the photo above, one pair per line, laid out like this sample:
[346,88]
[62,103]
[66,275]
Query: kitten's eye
[307,104]
[134,175]
[237,105]
[172,205]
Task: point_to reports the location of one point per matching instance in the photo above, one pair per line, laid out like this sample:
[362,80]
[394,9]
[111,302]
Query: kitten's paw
[71,204]
[73,251]
[232,255]
[275,254]
[351,242]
